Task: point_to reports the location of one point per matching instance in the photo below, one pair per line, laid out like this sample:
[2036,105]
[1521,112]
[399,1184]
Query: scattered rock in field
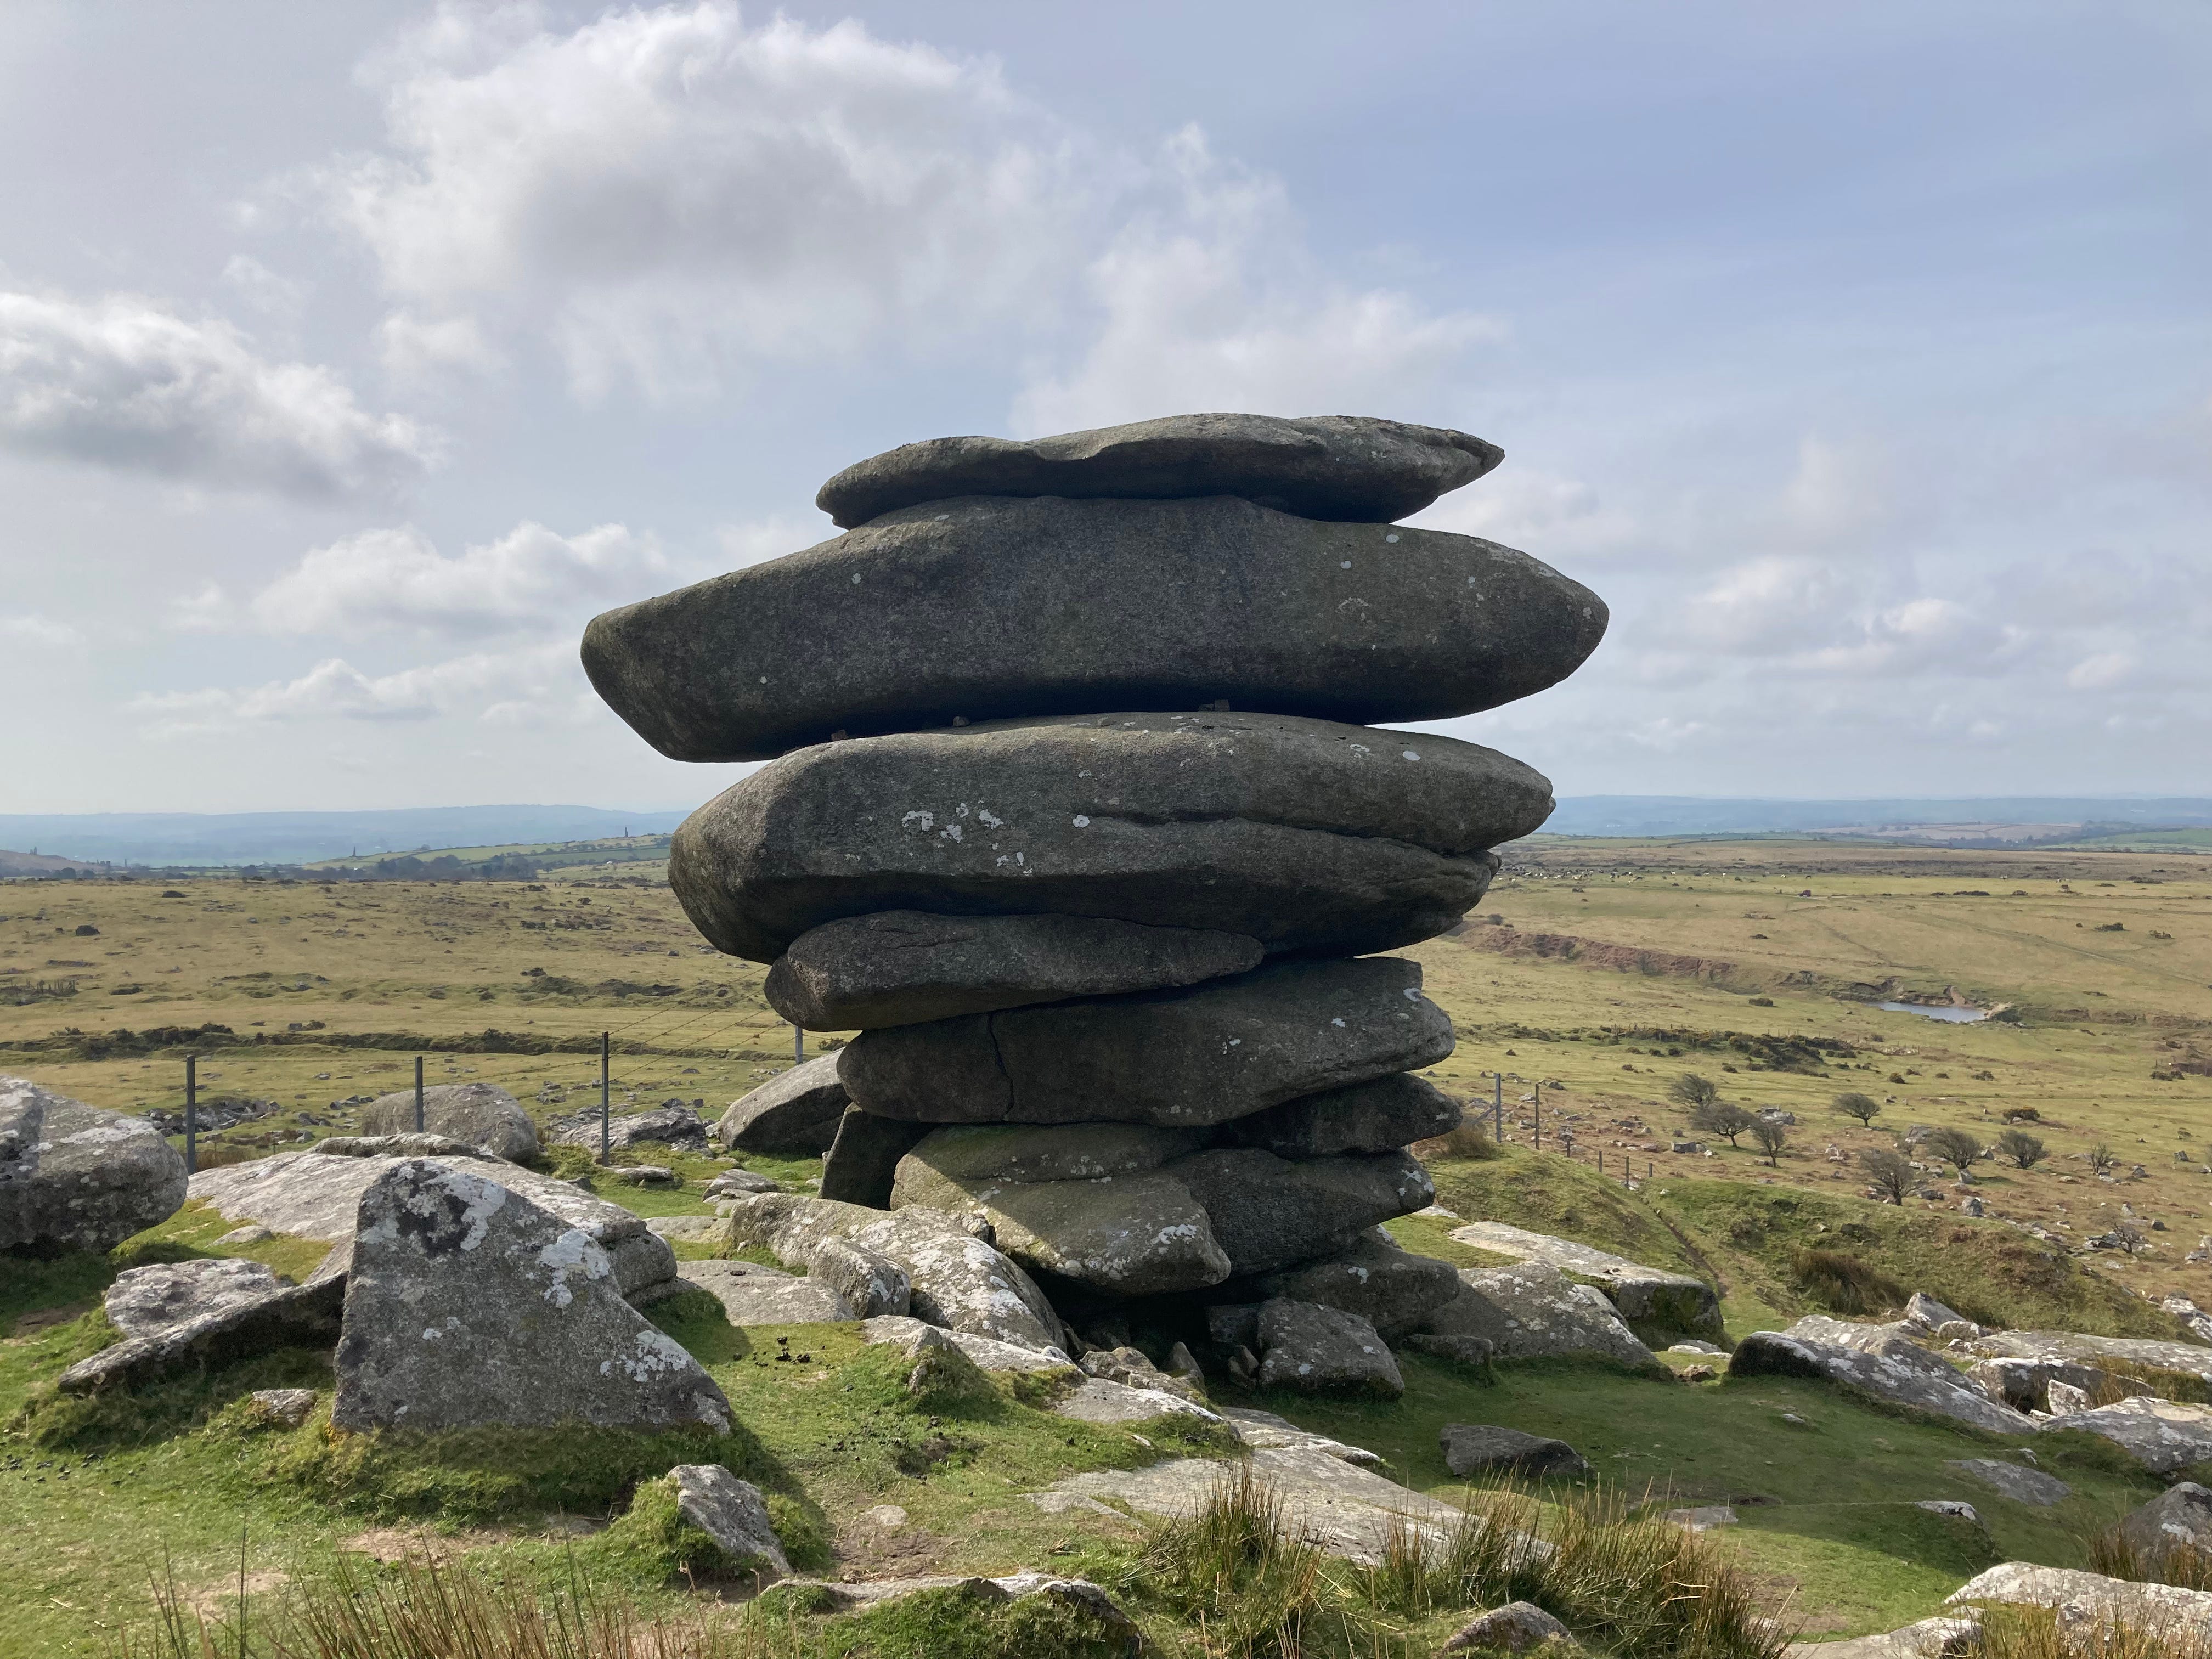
[794,1114]
[1695,1347]
[284,1407]
[1266,1431]
[1910,1376]
[731,1182]
[730,1511]
[642,1175]
[304,1315]
[1950,1507]
[2112,1353]
[889,1517]
[143,1300]
[1474,1448]
[1317,1350]
[2164,1436]
[476,1114]
[468,1304]
[73,1177]
[1925,1311]
[2021,1485]
[1703,1518]
[2154,1607]
[2180,1517]
[1930,1639]
[1643,1295]
[408,1145]
[754,1294]
[677,1127]
[1513,1628]
[1531,1310]
[1095,1610]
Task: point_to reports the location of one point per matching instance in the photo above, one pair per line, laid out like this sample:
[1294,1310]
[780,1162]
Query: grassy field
[1601,971]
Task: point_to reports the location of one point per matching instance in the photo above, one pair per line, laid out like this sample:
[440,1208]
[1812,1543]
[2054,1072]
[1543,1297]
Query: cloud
[123,382]
[497,686]
[382,580]
[32,628]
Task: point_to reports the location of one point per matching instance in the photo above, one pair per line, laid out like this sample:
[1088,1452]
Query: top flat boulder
[1347,467]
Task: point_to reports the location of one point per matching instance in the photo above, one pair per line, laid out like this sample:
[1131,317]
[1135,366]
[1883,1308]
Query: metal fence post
[419,1094]
[797,1044]
[192,1113]
[607,1098]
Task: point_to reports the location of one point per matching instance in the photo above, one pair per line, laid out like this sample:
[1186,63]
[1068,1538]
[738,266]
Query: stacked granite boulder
[1076,814]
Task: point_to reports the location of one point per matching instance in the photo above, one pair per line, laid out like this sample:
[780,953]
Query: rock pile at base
[1065,817]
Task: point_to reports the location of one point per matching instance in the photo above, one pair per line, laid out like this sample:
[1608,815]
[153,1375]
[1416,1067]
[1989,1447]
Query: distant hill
[234,838]
[2008,819]
[36,864]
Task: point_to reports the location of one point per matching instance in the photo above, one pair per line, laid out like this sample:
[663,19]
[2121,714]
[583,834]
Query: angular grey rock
[476,1112]
[2164,1436]
[1895,1337]
[315,1197]
[1266,1431]
[2024,1384]
[1472,1449]
[1344,467]
[2157,1609]
[1461,1350]
[1099,1400]
[992,609]
[1513,1628]
[1179,1058]
[670,1126]
[75,1177]
[143,1300]
[1267,1212]
[862,1163]
[1702,1518]
[1379,1115]
[1925,1310]
[1907,1376]
[304,1315]
[2111,1354]
[794,1114]
[467,1304]
[1532,1311]
[733,1513]
[987,1354]
[1927,1638]
[2014,1480]
[1096,1613]
[904,967]
[753,1295]
[1305,835]
[872,1284]
[1644,1295]
[1317,1350]
[956,1280]
[2178,1518]
[731,1182]
[284,1407]
[697,1228]
[1394,1290]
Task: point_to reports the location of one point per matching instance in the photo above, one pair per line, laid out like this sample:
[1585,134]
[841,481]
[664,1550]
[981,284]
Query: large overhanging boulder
[73,1177]
[794,1114]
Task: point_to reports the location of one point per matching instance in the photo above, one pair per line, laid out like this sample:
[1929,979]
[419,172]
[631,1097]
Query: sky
[351,358]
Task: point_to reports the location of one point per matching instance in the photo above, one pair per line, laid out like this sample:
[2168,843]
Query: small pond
[1937,1011]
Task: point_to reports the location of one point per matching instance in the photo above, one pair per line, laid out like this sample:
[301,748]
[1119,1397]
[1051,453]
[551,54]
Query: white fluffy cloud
[33,629]
[509,688]
[123,381]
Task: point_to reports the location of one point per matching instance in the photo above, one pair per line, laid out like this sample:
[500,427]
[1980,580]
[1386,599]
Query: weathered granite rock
[1317,1350]
[1306,835]
[1927,1638]
[468,1304]
[753,1295]
[1094,1615]
[1101,1400]
[795,1114]
[75,1177]
[283,1408]
[987,1354]
[2162,1435]
[669,1126]
[1531,1310]
[2014,1480]
[1379,1115]
[1513,1628]
[1266,1431]
[904,967]
[142,1300]
[2178,1518]
[1650,1296]
[983,1155]
[2111,1354]
[871,1283]
[311,1196]
[1183,1059]
[1472,1449]
[1391,1288]
[305,1316]
[1926,1311]
[1267,1212]
[1345,467]
[1895,1337]
[731,1182]
[861,1165]
[2026,1384]
[2156,1609]
[1908,1377]
[406,1145]
[990,608]
[956,1280]
[733,1513]
[478,1113]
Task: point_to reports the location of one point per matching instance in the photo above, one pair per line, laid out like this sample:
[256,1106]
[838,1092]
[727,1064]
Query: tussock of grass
[1843,1284]
[2037,1633]
[2182,1564]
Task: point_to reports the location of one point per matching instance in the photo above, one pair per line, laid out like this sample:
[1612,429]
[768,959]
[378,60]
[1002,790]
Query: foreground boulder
[476,1112]
[2178,1519]
[1316,1350]
[1533,1310]
[75,1177]
[467,1304]
[1909,1376]
[1513,1628]
[215,1330]
[1644,1296]
[1925,1638]
[987,609]
[795,1114]
[1304,835]
[905,967]
[2164,1436]
[733,1513]
[1482,1448]
[2153,1609]
[142,1300]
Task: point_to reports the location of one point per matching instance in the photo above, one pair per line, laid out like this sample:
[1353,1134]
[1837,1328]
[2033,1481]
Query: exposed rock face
[1472,1449]
[476,1113]
[1644,1295]
[753,1295]
[1907,1376]
[1180,1058]
[983,1156]
[1317,1350]
[2178,1518]
[1532,1311]
[861,1165]
[987,1354]
[1379,1115]
[2153,1608]
[1304,835]
[75,1177]
[2163,1436]
[468,1304]
[795,1114]
[903,967]
[991,609]
[1330,466]
[1267,1213]
[2024,1384]
[2111,1353]
[142,1300]
[733,1513]
[871,1283]
[1392,1289]
[303,1315]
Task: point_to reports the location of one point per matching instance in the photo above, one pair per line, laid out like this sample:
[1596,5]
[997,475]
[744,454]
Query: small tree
[2129,1237]
[1721,1117]
[1772,1138]
[2022,1147]
[2103,1158]
[1862,1107]
[1955,1147]
[1694,1092]
[1888,1173]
